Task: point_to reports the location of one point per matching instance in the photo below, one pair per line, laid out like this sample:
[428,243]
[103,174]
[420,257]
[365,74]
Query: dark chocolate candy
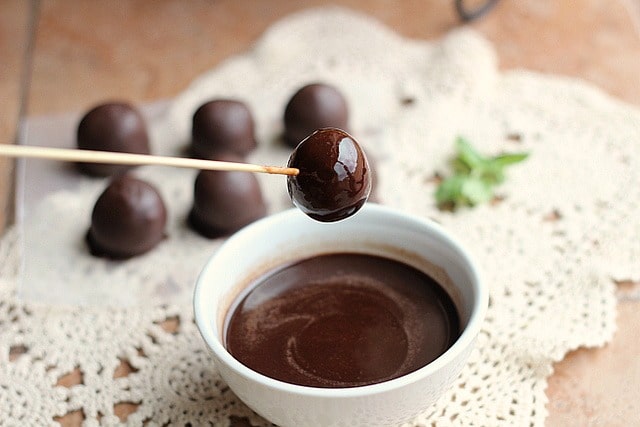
[114,126]
[225,201]
[314,106]
[128,219]
[222,126]
[334,180]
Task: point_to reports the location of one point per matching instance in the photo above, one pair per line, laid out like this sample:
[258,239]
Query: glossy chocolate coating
[112,126]
[341,320]
[222,126]
[314,106]
[128,219]
[225,201]
[334,180]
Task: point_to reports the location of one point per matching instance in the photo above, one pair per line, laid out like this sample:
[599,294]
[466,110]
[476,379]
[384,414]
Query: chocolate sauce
[334,180]
[341,320]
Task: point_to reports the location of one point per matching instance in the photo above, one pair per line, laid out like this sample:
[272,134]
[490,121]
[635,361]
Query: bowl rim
[203,312]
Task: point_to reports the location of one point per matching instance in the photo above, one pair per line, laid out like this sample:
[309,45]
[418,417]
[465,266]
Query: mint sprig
[474,177]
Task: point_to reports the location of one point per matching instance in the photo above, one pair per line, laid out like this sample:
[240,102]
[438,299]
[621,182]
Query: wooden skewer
[90,156]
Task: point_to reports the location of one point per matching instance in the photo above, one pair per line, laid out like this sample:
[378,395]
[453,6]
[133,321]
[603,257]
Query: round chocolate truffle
[225,201]
[334,180]
[313,107]
[128,219]
[114,126]
[222,126]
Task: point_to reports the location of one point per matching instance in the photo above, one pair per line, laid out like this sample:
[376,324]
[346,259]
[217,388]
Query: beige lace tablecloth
[566,224]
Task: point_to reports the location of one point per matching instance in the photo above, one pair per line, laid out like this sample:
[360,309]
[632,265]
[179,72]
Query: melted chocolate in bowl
[341,320]
[334,180]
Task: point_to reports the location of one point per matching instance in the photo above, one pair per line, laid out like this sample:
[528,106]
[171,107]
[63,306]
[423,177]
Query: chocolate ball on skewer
[334,179]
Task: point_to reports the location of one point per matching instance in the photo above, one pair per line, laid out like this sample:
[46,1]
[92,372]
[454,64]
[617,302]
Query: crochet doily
[565,225]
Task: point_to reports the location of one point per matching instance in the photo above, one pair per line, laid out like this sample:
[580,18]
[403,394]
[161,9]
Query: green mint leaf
[450,190]
[468,155]
[459,166]
[494,169]
[492,174]
[476,191]
[503,160]
[475,176]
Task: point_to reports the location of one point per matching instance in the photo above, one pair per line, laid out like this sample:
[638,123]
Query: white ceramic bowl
[374,230]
